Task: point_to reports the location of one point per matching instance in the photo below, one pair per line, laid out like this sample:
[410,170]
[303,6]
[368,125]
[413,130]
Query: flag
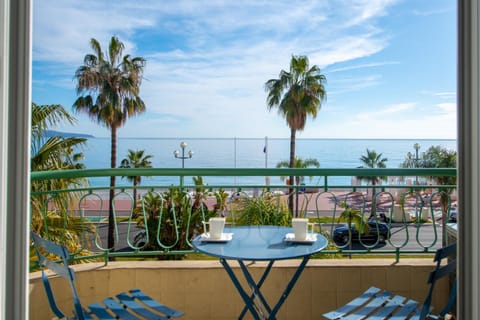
[265,149]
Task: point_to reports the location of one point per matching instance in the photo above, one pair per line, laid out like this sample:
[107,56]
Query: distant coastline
[52,133]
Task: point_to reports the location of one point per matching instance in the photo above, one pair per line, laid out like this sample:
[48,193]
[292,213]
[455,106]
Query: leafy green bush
[266,209]
[172,219]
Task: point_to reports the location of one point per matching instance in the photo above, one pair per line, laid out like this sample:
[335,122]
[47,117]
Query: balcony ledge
[197,287]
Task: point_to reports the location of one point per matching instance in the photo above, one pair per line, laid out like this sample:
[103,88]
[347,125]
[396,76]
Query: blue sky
[390,64]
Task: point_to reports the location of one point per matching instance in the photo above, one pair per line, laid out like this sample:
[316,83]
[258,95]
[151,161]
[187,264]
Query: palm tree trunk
[373,210]
[297,184]
[374,190]
[292,165]
[113,164]
[135,183]
[350,246]
[444,201]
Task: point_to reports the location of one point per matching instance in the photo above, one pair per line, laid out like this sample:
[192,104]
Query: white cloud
[362,66]
[383,113]
[431,11]
[207,61]
[448,108]
[400,107]
[351,84]
[368,9]
[392,128]
[446,95]
[62,29]
[441,94]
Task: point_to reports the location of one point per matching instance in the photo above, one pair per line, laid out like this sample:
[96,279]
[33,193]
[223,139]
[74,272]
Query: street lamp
[416,146]
[176,153]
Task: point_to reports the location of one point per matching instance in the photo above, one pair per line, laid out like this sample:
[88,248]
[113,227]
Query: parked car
[378,231]
[453,215]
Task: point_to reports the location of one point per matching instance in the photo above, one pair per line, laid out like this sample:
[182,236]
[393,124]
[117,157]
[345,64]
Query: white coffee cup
[215,227]
[301,228]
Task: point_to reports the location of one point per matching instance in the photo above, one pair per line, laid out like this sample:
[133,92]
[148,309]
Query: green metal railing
[167,217]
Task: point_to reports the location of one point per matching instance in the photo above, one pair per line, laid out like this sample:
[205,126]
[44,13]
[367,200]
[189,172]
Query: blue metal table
[259,243]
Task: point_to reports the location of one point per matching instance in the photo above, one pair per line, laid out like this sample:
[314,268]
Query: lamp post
[416,146]
[176,153]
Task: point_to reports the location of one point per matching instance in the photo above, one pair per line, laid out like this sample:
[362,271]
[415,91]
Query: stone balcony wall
[203,290]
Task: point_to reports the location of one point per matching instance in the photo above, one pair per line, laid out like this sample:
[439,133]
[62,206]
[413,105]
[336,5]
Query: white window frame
[468,159]
[15,102]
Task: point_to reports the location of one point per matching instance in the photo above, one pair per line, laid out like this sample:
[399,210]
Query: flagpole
[265,150]
[235,158]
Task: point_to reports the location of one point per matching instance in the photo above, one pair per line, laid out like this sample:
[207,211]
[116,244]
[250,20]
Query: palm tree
[300,164]
[109,85]
[55,153]
[438,157]
[409,162]
[373,160]
[297,93]
[136,159]
[199,194]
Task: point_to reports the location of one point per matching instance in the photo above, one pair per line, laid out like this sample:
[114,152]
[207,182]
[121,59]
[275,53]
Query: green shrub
[266,209]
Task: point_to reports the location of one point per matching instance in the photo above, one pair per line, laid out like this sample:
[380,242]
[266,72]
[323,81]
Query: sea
[249,153]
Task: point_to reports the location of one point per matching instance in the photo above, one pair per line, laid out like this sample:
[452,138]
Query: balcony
[164,264]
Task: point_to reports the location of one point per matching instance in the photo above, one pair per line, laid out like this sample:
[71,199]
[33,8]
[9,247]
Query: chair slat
[50,246]
[373,305]
[100,311]
[140,295]
[354,304]
[119,309]
[132,305]
[406,310]
[388,309]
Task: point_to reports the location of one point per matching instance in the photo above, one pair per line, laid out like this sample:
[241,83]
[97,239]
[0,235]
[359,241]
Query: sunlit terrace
[151,236]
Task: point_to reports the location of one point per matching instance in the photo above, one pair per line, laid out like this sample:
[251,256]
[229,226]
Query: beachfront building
[15,50]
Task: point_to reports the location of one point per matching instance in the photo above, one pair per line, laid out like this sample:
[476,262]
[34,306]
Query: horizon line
[271,138]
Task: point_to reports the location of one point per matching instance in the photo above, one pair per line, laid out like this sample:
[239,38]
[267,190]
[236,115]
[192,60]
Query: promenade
[323,202]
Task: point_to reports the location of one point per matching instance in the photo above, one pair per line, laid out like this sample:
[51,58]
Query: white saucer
[311,238]
[224,238]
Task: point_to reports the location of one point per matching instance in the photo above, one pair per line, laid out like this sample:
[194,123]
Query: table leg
[289,287]
[243,294]
[256,287]
[249,299]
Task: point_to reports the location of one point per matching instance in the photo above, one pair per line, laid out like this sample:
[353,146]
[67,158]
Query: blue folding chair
[127,305]
[376,303]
